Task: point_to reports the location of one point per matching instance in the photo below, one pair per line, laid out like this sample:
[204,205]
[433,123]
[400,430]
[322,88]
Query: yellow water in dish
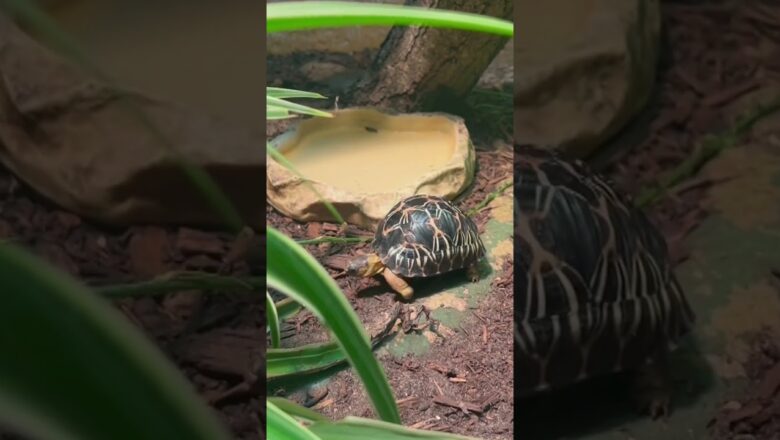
[352,158]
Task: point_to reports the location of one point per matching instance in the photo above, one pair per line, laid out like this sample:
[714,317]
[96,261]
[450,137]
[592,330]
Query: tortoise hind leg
[652,386]
[398,284]
[472,270]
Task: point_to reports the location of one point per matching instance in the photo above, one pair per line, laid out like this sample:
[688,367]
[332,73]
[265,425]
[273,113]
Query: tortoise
[595,289]
[421,236]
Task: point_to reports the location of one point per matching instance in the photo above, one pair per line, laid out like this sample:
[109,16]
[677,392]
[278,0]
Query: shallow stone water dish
[364,161]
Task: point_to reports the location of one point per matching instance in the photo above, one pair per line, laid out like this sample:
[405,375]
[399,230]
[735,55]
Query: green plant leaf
[79,369]
[296,410]
[281,425]
[273,321]
[296,273]
[273,112]
[178,281]
[296,108]
[287,308]
[358,428]
[293,16]
[281,93]
[306,359]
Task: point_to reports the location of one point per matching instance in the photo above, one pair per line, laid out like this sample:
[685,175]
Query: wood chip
[149,250]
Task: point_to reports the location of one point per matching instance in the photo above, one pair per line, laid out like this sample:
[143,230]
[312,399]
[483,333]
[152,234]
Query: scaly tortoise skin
[596,289]
[421,236]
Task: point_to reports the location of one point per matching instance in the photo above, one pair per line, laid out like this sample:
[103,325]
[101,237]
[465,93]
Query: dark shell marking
[596,291]
[426,235]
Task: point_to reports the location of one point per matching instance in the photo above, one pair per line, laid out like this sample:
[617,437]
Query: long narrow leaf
[282,426]
[278,92]
[76,364]
[179,281]
[272,113]
[287,308]
[296,410]
[273,320]
[293,16]
[356,428]
[296,273]
[297,108]
[306,359]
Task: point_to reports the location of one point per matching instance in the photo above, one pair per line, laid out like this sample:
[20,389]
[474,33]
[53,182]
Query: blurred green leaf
[282,426]
[294,272]
[296,108]
[306,359]
[79,369]
[358,428]
[278,92]
[287,308]
[296,410]
[294,16]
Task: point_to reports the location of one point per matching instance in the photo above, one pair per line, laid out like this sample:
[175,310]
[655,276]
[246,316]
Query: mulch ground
[717,52]
[714,54]
[466,368]
[755,413]
[215,340]
[460,385]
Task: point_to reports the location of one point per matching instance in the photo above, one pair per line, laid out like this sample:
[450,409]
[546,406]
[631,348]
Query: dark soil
[460,385]
[215,340]
[714,53]
[479,352]
[756,413]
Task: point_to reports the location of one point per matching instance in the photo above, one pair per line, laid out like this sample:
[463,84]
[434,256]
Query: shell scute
[426,235]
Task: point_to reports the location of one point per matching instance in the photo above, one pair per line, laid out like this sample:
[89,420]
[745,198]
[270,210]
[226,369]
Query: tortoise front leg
[473,272]
[398,284]
[652,386]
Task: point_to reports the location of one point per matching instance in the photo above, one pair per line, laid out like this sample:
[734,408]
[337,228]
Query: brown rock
[73,140]
[584,73]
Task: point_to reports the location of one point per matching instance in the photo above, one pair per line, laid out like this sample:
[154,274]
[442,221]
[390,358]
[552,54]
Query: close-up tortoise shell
[596,291]
[421,236]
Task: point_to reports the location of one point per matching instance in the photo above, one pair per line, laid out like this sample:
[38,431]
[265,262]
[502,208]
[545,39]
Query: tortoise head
[365,265]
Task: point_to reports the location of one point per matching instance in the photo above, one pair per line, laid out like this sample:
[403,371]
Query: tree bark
[420,68]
